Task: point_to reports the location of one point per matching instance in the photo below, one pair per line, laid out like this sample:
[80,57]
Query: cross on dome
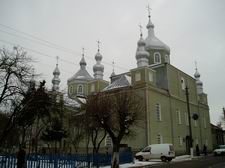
[196,65]
[149,11]
[140,26]
[83,51]
[98,42]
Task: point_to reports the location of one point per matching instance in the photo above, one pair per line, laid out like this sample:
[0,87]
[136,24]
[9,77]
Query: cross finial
[149,11]
[82,51]
[113,65]
[57,60]
[98,45]
[140,30]
[196,66]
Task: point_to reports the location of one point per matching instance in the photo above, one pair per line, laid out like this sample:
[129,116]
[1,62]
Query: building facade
[163,89]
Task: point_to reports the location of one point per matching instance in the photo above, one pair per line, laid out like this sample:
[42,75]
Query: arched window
[182,83]
[157,58]
[71,89]
[180,139]
[167,59]
[80,89]
[179,116]
[158,112]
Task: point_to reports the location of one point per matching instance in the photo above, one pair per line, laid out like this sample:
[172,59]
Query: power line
[46,55]
[50,44]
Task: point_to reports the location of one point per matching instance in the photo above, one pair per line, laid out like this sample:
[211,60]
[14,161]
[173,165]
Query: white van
[156,151]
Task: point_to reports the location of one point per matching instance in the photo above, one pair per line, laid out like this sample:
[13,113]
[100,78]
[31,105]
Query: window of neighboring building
[158,112]
[157,58]
[159,139]
[179,116]
[92,87]
[80,89]
[182,83]
[137,76]
[150,76]
[186,119]
[180,140]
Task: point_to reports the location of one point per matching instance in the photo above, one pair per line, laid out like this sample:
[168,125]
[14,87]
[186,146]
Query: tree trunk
[115,157]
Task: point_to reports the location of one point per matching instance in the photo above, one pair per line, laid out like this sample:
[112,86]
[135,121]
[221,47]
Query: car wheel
[169,159]
[140,158]
[215,154]
[163,158]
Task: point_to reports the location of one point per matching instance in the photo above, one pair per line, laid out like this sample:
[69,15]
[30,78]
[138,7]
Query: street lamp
[189,121]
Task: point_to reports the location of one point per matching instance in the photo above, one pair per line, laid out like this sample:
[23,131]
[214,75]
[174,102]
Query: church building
[163,88]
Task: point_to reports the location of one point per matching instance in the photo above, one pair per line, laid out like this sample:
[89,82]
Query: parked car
[165,152]
[220,150]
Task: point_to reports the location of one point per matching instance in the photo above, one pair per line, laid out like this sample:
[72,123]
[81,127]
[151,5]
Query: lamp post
[189,121]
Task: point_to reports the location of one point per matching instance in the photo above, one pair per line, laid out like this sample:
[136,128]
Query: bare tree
[15,72]
[116,112]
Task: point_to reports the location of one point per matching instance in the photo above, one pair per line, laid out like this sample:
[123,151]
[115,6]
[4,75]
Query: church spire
[199,83]
[113,72]
[98,68]
[82,61]
[56,80]
[142,55]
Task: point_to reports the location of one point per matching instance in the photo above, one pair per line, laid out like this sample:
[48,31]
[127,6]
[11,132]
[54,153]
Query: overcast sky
[193,29]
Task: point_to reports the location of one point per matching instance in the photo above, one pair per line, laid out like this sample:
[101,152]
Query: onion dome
[142,55]
[199,83]
[56,80]
[82,73]
[197,74]
[152,42]
[98,68]
[83,62]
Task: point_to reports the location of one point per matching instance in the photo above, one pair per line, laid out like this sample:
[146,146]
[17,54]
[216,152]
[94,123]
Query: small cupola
[56,80]
[98,68]
[142,56]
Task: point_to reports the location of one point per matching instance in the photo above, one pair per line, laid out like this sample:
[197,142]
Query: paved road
[205,162]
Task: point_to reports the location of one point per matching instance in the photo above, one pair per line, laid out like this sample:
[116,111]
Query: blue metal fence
[64,161]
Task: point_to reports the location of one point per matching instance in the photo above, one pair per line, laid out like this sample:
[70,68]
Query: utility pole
[189,121]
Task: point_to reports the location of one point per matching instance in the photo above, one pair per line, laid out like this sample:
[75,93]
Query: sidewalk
[146,164]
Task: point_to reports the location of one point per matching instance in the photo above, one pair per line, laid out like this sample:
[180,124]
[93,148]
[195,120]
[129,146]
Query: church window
[158,112]
[92,87]
[159,139]
[108,141]
[150,76]
[186,119]
[180,140]
[196,141]
[182,83]
[137,76]
[71,89]
[204,121]
[195,123]
[206,142]
[157,58]
[80,89]
[179,116]
[167,59]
